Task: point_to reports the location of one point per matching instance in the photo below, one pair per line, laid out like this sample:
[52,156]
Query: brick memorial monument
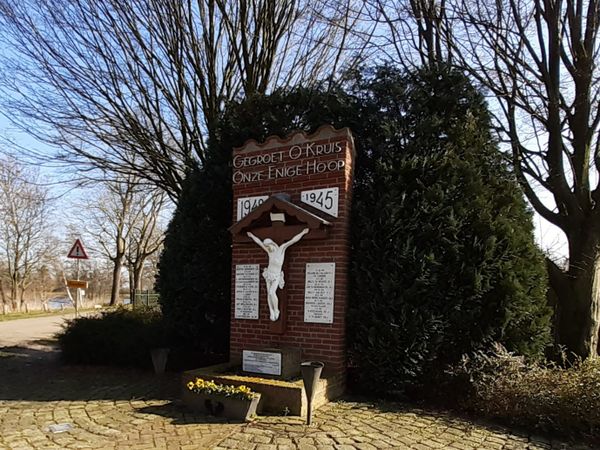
[295,190]
[290,257]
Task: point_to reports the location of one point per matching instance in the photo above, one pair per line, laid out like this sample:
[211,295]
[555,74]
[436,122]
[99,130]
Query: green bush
[500,385]
[195,265]
[121,338]
[443,258]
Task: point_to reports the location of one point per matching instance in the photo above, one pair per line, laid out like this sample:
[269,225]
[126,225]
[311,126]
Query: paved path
[44,405]
[22,331]
[122,409]
[350,425]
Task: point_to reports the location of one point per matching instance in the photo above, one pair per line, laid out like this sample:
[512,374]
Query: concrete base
[277,397]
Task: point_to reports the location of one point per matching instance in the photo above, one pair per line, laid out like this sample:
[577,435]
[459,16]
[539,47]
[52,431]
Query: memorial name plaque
[268,363]
[318,292]
[246,291]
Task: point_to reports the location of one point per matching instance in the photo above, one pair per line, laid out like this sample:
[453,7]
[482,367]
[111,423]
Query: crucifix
[273,273]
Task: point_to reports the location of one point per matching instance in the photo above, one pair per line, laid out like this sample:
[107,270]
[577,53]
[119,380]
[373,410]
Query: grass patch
[33,314]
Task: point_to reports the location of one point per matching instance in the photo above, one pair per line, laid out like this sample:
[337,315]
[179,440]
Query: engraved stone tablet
[318,292]
[268,363]
[246,291]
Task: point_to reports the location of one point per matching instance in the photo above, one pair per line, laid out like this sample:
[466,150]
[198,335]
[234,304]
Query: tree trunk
[13,295]
[3,297]
[22,304]
[116,280]
[578,291]
[131,286]
[138,269]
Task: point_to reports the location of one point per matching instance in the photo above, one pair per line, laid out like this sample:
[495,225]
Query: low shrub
[121,338]
[504,386]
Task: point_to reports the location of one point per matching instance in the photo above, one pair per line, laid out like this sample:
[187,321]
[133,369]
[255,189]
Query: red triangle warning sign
[77,251]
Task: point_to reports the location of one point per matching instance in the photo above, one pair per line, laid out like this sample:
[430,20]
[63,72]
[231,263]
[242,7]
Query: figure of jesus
[273,273]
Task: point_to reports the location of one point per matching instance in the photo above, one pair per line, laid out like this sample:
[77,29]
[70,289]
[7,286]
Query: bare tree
[99,273]
[539,58]
[410,33]
[106,221]
[136,87]
[146,235]
[24,223]
[46,278]
[125,221]
[4,280]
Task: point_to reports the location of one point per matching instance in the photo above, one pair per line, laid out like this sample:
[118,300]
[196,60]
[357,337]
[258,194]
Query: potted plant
[234,402]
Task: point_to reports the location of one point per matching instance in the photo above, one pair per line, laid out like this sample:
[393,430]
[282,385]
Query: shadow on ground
[181,415]
[462,421]
[34,373]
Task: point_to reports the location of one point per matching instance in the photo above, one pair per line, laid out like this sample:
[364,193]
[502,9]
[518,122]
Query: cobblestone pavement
[103,408]
[120,409]
[350,425]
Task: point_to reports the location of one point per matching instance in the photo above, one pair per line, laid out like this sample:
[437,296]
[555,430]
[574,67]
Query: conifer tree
[444,260]
[195,265]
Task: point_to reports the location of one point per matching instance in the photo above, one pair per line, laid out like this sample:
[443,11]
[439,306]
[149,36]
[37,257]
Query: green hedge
[443,259]
[121,338]
[195,265]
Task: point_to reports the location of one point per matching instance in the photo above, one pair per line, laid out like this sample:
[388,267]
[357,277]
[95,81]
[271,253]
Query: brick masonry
[290,165]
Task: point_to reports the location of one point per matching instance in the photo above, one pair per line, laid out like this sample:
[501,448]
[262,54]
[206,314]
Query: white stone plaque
[319,289]
[247,278]
[247,204]
[325,200]
[268,363]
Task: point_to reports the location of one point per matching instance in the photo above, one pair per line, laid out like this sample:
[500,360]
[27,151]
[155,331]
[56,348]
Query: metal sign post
[77,293]
[77,252]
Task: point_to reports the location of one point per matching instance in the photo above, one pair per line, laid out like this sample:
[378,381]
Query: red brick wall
[324,342]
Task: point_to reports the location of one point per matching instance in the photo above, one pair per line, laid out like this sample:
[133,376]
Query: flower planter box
[220,406]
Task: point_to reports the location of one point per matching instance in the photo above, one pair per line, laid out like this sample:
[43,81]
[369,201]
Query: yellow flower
[210,387]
